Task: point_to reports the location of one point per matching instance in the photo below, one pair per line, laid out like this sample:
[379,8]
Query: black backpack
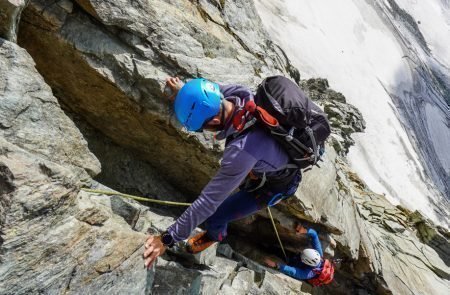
[296,122]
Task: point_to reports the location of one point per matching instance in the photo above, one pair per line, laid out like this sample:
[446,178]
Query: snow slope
[373,54]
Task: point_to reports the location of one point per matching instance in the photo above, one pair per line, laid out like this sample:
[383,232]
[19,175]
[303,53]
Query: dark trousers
[242,204]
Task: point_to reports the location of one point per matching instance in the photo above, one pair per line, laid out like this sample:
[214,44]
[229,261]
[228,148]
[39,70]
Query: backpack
[297,123]
[325,276]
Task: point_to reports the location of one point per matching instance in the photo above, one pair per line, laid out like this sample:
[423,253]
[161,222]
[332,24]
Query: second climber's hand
[270,263]
[300,229]
[153,248]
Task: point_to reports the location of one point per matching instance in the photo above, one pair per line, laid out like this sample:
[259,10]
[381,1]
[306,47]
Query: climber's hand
[173,85]
[153,248]
[300,229]
[270,263]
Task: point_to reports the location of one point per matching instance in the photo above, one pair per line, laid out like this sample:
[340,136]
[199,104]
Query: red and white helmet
[311,257]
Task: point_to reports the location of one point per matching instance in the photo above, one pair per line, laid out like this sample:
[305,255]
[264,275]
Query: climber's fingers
[154,248]
[270,263]
[149,241]
[173,82]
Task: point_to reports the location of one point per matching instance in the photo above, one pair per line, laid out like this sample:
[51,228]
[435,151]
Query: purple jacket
[255,151]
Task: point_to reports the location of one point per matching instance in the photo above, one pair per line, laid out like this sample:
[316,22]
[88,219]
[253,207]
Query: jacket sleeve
[236,90]
[296,272]
[236,164]
[315,241]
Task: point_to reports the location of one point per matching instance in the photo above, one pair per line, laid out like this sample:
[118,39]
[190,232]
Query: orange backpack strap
[240,118]
[261,114]
[265,117]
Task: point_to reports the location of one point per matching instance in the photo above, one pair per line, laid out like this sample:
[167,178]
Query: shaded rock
[225,250]
[125,170]
[6,180]
[318,200]
[245,254]
[268,280]
[129,212]
[9,18]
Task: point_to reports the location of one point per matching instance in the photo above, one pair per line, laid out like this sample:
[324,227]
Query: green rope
[136,198]
[276,232]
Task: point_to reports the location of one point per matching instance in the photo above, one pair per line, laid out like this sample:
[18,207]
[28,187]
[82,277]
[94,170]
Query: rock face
[125,170]
[9,18]
[61,240]
[58,239]
[106,62]
[30,116]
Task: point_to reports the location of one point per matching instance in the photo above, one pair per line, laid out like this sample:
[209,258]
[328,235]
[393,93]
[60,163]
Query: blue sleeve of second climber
[304,273]
[297,273]
[315,241]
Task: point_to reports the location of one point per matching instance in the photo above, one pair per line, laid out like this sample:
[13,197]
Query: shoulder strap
[313,142]
[246,128]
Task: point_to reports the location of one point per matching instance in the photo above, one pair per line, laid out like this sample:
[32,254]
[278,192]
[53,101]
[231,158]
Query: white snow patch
[434,18]
[347,43]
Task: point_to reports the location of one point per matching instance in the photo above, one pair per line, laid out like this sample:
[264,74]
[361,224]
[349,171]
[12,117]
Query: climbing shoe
[199,242]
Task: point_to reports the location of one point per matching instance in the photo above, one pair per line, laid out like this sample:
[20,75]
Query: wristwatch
[167,239]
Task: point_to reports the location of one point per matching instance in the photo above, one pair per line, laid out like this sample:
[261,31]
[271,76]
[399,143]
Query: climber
[309,265]
[252,160]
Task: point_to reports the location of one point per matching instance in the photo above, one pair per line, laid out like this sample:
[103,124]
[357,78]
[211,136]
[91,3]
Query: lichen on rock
[345,119]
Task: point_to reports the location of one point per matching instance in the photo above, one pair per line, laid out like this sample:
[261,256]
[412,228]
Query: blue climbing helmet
[197,102]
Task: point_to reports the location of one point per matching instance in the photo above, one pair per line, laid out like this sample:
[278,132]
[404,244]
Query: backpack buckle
[290,135]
